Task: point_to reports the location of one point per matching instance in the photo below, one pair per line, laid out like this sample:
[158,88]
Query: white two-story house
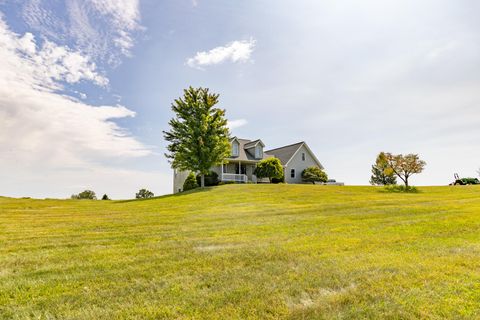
[245,154]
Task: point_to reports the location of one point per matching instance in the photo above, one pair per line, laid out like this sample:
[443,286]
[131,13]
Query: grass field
[245,252]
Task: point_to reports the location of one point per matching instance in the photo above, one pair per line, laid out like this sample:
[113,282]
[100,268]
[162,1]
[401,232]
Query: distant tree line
[90,195]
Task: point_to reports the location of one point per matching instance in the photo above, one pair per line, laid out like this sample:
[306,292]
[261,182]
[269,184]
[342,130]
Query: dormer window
[235,149]
[258,152]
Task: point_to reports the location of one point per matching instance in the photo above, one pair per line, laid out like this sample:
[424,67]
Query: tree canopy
[144,194]
[87,194]
[269,168]
[199,136]
[380,175]
[404,166]
[313,174]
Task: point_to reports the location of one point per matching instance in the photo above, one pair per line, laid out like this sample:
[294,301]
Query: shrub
[105,197]
[313,174]
[279,180]
[144,194]
[269,168]
[191,182]
[211,179]
[87,194]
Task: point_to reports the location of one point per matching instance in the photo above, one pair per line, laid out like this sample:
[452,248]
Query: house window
[258,152]
[235,149]
[292,173]
[303,156]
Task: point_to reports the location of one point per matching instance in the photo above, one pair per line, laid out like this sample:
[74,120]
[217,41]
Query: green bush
[105,197]
[279,180]
[191,182]
[87,194]
[270,168]
[211,179]
[144,194]
[314,174]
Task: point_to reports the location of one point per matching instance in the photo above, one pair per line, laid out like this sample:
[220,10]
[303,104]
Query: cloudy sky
[86,85]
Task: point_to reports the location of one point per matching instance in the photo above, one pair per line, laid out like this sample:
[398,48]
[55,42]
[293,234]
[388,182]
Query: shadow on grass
[399,189]
[180,194]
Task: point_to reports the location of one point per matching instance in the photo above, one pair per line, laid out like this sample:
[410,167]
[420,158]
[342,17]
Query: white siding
[179,178]
[299,165]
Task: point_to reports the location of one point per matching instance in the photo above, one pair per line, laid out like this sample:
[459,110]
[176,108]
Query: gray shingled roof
[244,155]
[251,144]
[285,153]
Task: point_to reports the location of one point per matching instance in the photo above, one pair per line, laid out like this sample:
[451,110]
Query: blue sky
[86,85]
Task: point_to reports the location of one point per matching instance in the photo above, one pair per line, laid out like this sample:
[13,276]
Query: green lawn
[245,252]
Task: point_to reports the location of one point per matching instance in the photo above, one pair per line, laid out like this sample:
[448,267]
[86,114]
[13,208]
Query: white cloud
[233,124]
[125,16]
[42,129]
[236,51]
[103,29]
[125,13]
[45,67]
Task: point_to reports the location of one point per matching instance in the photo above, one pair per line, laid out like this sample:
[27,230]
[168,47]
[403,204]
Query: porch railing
[235,177]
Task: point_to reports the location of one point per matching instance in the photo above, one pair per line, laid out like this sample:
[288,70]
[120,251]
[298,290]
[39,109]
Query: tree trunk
[406,183]
[202,180]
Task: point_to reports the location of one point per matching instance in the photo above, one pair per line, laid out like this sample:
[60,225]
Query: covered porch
[238,171]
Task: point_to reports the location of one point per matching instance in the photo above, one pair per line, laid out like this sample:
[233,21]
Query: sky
[86,86]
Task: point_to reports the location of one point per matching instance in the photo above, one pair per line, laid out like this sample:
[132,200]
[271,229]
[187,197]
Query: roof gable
[286,153]
[253,144]
[245,147]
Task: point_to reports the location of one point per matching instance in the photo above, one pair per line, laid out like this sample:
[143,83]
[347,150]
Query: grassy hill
[245,251]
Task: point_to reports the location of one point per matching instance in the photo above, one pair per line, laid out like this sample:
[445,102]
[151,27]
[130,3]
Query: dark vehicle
[464,181]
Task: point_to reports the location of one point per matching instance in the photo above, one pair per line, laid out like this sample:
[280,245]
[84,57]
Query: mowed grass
[245,252]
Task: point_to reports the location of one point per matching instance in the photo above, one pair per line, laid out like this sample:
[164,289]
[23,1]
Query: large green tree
[404,166]
[269,168]
[198,136]
[381,176]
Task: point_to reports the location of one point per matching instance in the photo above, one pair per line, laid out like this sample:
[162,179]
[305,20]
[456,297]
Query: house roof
[286,153]
[253,143]
[243,153]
